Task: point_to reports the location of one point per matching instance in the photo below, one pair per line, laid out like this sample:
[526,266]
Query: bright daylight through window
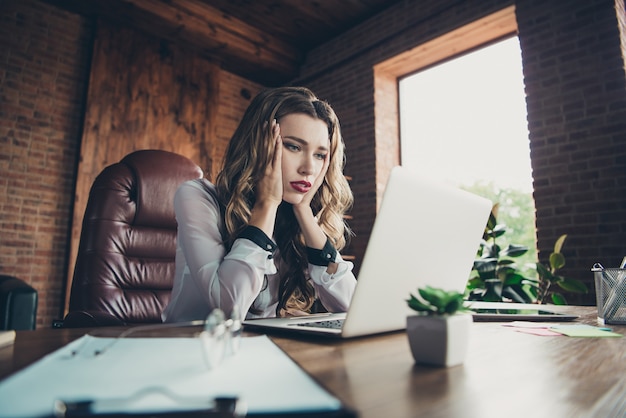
[465,121]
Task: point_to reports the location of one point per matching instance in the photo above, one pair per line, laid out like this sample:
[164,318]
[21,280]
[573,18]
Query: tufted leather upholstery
[125,264]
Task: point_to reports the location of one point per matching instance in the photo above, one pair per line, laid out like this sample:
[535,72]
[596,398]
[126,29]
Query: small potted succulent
[439,332]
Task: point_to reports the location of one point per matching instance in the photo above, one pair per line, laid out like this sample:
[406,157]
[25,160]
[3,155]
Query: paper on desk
[582,330]
[544,332]
[528,324]
[530,327]
[260,373]
[570,330]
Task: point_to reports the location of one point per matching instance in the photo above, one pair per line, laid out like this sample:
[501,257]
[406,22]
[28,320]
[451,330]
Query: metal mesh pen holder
[610,294]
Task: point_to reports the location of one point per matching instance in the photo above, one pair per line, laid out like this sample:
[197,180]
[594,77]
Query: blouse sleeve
[334,290]
[224,280]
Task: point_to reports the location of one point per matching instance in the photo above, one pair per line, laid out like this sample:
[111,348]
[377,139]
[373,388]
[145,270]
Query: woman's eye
[291,147]
[320,156]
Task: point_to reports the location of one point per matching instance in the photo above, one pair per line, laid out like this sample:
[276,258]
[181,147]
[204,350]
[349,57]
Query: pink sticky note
[528,324]
[544,332]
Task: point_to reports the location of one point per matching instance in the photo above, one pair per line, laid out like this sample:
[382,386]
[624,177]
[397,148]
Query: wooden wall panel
[143,94]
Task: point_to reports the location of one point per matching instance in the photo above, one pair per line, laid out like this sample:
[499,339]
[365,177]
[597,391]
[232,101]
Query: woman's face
[305,147]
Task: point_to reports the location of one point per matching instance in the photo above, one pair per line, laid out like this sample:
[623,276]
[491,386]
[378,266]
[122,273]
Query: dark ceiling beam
[239,47]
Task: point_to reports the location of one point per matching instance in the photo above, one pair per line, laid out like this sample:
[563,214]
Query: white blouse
[207,277]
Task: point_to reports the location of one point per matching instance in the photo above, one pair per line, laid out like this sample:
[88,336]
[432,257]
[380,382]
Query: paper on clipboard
[260,373]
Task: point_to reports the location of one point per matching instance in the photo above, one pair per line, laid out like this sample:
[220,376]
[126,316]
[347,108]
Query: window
[388,74]
[465,121]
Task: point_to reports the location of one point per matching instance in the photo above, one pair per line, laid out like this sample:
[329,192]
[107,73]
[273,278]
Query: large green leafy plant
[548,276]
[495,275]
[497,278]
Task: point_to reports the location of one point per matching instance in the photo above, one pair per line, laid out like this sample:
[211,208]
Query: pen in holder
[610,284]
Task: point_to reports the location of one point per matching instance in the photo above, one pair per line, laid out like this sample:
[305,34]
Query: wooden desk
[506,373]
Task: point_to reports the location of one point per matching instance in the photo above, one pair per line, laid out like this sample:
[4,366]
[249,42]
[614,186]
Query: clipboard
[272,386]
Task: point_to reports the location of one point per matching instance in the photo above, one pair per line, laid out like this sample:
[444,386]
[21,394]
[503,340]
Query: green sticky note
[586,331]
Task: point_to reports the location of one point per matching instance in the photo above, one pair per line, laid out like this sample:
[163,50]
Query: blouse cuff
[321,277]
[322,257]
[249,253]
[259,237]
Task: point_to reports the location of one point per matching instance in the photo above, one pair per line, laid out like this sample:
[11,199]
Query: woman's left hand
[314,237]
[308,197]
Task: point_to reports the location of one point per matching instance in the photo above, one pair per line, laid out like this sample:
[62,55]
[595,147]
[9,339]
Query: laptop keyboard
[333,324]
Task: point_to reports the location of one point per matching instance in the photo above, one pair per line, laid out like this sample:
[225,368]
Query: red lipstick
[301,186]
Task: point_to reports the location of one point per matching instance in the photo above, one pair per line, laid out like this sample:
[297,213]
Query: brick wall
[44,54]
[235,94]
[576,98]
[574,75]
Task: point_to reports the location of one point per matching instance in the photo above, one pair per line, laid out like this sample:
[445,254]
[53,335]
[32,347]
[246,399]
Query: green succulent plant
[434,301]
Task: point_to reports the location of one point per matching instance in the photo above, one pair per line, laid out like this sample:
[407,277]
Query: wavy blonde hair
[249,152]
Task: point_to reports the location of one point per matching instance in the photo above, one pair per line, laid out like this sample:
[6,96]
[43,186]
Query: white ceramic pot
[439,340]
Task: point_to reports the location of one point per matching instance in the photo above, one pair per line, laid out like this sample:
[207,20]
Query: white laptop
[426,233]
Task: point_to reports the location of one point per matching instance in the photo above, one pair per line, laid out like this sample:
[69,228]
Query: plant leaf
[558,299]
[572,285]
[498,230]
[558,245]
[436,301]
[557,261]
[532,291]
[491,222]
[433,296]
[490,250]
[493,290]
[486,268]
[507,262]
[418,306]
[502,274]
[512,293]
[544,273]
[513,279]
[485,263]
[514,250]
[453,305]
[475,283]
[530,282]
[527,292]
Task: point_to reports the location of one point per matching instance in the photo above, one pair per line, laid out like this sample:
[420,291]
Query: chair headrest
[158,174]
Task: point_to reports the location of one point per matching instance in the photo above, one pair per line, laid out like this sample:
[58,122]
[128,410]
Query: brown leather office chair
[125,263]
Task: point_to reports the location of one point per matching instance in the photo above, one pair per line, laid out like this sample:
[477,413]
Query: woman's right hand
[269,190]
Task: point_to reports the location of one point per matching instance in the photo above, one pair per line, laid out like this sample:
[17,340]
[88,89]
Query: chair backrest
[18,304]
[126,256]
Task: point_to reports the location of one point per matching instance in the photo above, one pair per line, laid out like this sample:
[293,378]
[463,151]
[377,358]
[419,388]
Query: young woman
[264,238]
